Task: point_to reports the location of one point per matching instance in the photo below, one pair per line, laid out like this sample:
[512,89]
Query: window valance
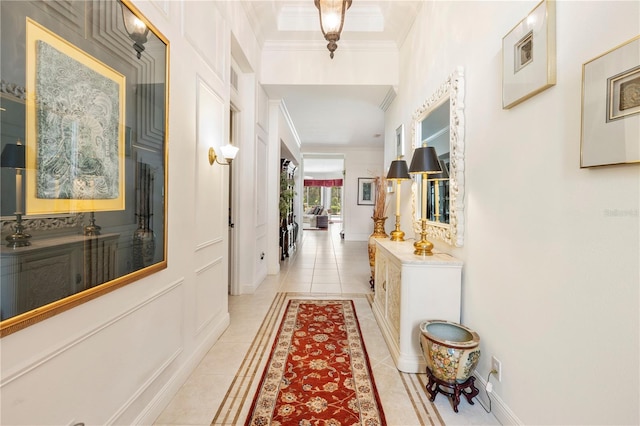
[323,182]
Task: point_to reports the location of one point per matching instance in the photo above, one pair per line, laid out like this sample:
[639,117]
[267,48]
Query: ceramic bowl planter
[451,350]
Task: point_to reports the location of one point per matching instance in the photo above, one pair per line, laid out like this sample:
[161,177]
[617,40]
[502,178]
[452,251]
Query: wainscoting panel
[263,108]
[100,370]
[207,34]
[211,293]
[261,182]
[210,201]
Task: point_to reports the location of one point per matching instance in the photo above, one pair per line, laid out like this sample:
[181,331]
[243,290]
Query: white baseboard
[499,409]
[160,401]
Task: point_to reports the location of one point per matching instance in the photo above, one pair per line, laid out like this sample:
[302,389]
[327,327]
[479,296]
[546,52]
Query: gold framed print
[84,101]
[610,125]
[529,56]
[75,140]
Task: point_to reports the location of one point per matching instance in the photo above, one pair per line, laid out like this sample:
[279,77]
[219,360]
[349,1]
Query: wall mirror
[83,108]
[439,122]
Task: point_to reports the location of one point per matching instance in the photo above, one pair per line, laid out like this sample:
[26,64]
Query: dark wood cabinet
[288,224]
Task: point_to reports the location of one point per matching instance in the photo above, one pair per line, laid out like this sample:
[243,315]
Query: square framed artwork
[529,56]
[610,129]
[75,143]
[400,141]
[366,191]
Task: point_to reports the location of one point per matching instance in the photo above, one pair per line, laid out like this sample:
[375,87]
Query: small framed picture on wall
[610,131]
[529,56]
[400,141]
[366,191]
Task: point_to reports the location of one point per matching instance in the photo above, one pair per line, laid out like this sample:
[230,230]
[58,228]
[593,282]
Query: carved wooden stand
[436,385]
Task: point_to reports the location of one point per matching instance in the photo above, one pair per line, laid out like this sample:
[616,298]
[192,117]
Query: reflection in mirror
[90,110]
[438,195]
[439,122]
[435,133]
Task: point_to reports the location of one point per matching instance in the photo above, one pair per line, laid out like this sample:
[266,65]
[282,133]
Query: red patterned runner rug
[318,372]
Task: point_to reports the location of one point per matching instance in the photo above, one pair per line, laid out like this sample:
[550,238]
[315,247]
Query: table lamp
[13,157]
[398,171]
[425,161]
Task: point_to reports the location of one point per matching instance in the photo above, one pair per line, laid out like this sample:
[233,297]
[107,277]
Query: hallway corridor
[221,388]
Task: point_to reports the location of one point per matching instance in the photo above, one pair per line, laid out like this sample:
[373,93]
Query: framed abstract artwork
[75,142]
[529,56]
[85,96]
[610,130]
[366,191]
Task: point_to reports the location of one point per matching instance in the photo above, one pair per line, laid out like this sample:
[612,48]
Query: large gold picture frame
[80,249]
[75,142]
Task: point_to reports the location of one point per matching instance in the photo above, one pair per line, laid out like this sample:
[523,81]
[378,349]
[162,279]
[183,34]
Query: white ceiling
[333,115]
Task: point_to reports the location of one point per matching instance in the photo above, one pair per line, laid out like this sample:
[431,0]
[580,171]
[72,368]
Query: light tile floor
[221,388]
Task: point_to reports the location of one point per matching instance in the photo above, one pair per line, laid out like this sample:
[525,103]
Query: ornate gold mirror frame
[89,105]
[451,91]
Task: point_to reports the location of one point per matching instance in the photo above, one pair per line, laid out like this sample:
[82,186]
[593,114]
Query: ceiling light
[331,20]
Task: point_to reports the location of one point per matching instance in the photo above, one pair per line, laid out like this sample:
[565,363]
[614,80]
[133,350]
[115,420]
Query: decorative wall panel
[210,115]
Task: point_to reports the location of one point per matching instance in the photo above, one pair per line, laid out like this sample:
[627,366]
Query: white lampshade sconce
[228,152]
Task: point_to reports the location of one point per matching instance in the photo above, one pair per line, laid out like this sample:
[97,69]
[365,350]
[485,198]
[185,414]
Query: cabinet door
[394,287]
[380,298]
[45,279]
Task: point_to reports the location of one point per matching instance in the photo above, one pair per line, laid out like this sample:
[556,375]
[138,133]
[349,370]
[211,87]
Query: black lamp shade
[12,156]
[443,175]
[398,170]
[425,160]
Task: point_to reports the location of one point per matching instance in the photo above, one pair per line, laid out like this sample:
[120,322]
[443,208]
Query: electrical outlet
[496,367]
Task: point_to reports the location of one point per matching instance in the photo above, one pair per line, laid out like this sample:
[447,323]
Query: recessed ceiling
[337,116]
[326,168]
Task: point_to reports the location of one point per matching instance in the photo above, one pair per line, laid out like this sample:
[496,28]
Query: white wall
[550,279]
[120,358]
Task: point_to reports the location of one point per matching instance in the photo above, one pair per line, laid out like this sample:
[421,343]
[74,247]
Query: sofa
[315,217]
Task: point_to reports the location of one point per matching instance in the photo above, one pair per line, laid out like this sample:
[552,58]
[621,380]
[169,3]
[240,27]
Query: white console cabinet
[410,289]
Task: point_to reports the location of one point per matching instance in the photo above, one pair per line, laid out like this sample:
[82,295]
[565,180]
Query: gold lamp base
[19,238]
[397,234]
[424,246]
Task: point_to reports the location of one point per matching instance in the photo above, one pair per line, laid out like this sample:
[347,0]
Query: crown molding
[314,45]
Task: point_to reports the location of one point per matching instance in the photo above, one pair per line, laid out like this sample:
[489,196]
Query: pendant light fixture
[331,20]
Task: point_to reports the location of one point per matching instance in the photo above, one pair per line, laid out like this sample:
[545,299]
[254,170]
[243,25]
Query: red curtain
[323,182]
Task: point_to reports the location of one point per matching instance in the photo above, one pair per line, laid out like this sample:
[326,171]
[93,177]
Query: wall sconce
[398,171]
[227,151]
[331,20]
[13,157]
[425,161]
[136,29]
